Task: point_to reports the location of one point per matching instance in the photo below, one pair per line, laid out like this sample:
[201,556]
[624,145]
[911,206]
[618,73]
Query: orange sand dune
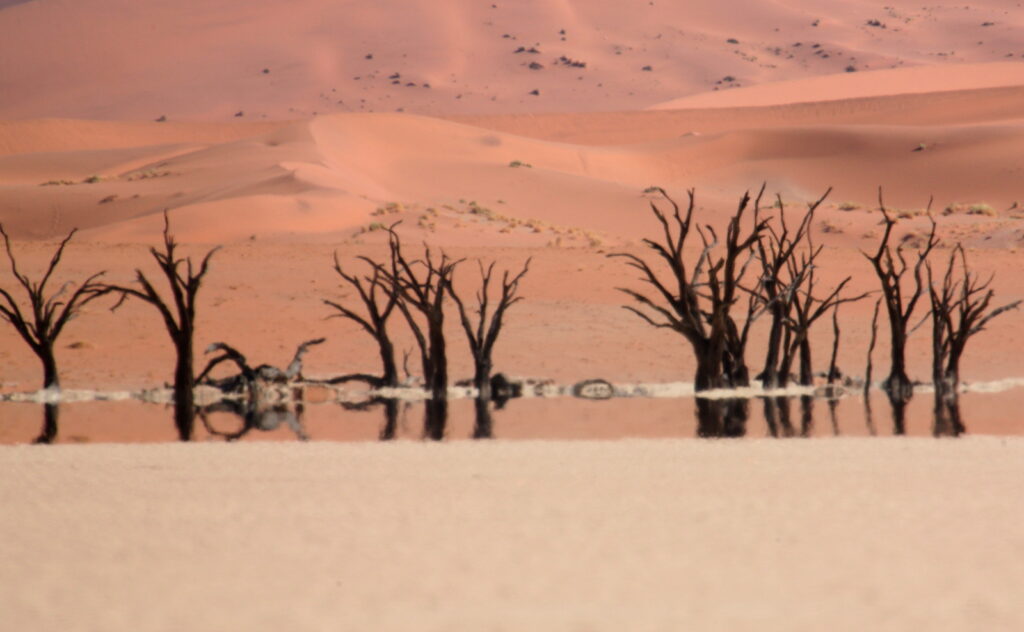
[914,80]
[118,59]
[331,173]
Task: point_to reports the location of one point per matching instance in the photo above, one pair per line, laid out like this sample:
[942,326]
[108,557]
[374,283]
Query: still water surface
[132,421]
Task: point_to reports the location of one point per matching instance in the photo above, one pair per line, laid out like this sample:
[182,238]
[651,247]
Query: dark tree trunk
[51,379]
[738,374]
[951,377]
[184,384]
[482,378]
[806,369]
[438,382]
[898,385]
[387,359]
[770,374]
[709,369]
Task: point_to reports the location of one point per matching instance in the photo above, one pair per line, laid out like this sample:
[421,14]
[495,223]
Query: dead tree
[960,309]
[421,287]
[807,309]
[248,377]
[42,323]
[379,301]
[787,291]
[484,334]
[833,370]
[696,300]
[179,316]
[891,266]
[775,291]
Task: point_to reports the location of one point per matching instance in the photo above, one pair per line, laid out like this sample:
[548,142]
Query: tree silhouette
[47,314]
[696,300]
[891,266]
[960,308]
[178,314]
[379,301]
[777,292]
[421,286]
[483,335]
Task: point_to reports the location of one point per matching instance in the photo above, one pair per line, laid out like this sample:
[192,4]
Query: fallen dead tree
[249,377]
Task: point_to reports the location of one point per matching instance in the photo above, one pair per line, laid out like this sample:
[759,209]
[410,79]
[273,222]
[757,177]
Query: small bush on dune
[978,208]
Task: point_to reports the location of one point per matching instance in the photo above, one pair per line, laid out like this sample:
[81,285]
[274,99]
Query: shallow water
[566,418]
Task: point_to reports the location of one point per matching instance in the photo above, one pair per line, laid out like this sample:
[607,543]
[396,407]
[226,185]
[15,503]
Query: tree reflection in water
[715,418]
[51,417]
[261,417]
[947,414]
[435,418]
[483,425]
[722,417]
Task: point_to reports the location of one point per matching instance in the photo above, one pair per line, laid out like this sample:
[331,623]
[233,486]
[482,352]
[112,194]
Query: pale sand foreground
[630,535]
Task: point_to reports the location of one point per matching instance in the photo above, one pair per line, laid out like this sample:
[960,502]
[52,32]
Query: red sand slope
[120,59]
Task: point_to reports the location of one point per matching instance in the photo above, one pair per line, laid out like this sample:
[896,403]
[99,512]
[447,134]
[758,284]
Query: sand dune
[331,173]
[117,59]
[901,81]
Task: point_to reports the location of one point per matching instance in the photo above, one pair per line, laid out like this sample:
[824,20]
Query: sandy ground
[640,535]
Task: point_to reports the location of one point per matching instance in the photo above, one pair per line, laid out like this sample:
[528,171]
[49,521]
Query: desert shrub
[388,209]
[978,208]
[848,206]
